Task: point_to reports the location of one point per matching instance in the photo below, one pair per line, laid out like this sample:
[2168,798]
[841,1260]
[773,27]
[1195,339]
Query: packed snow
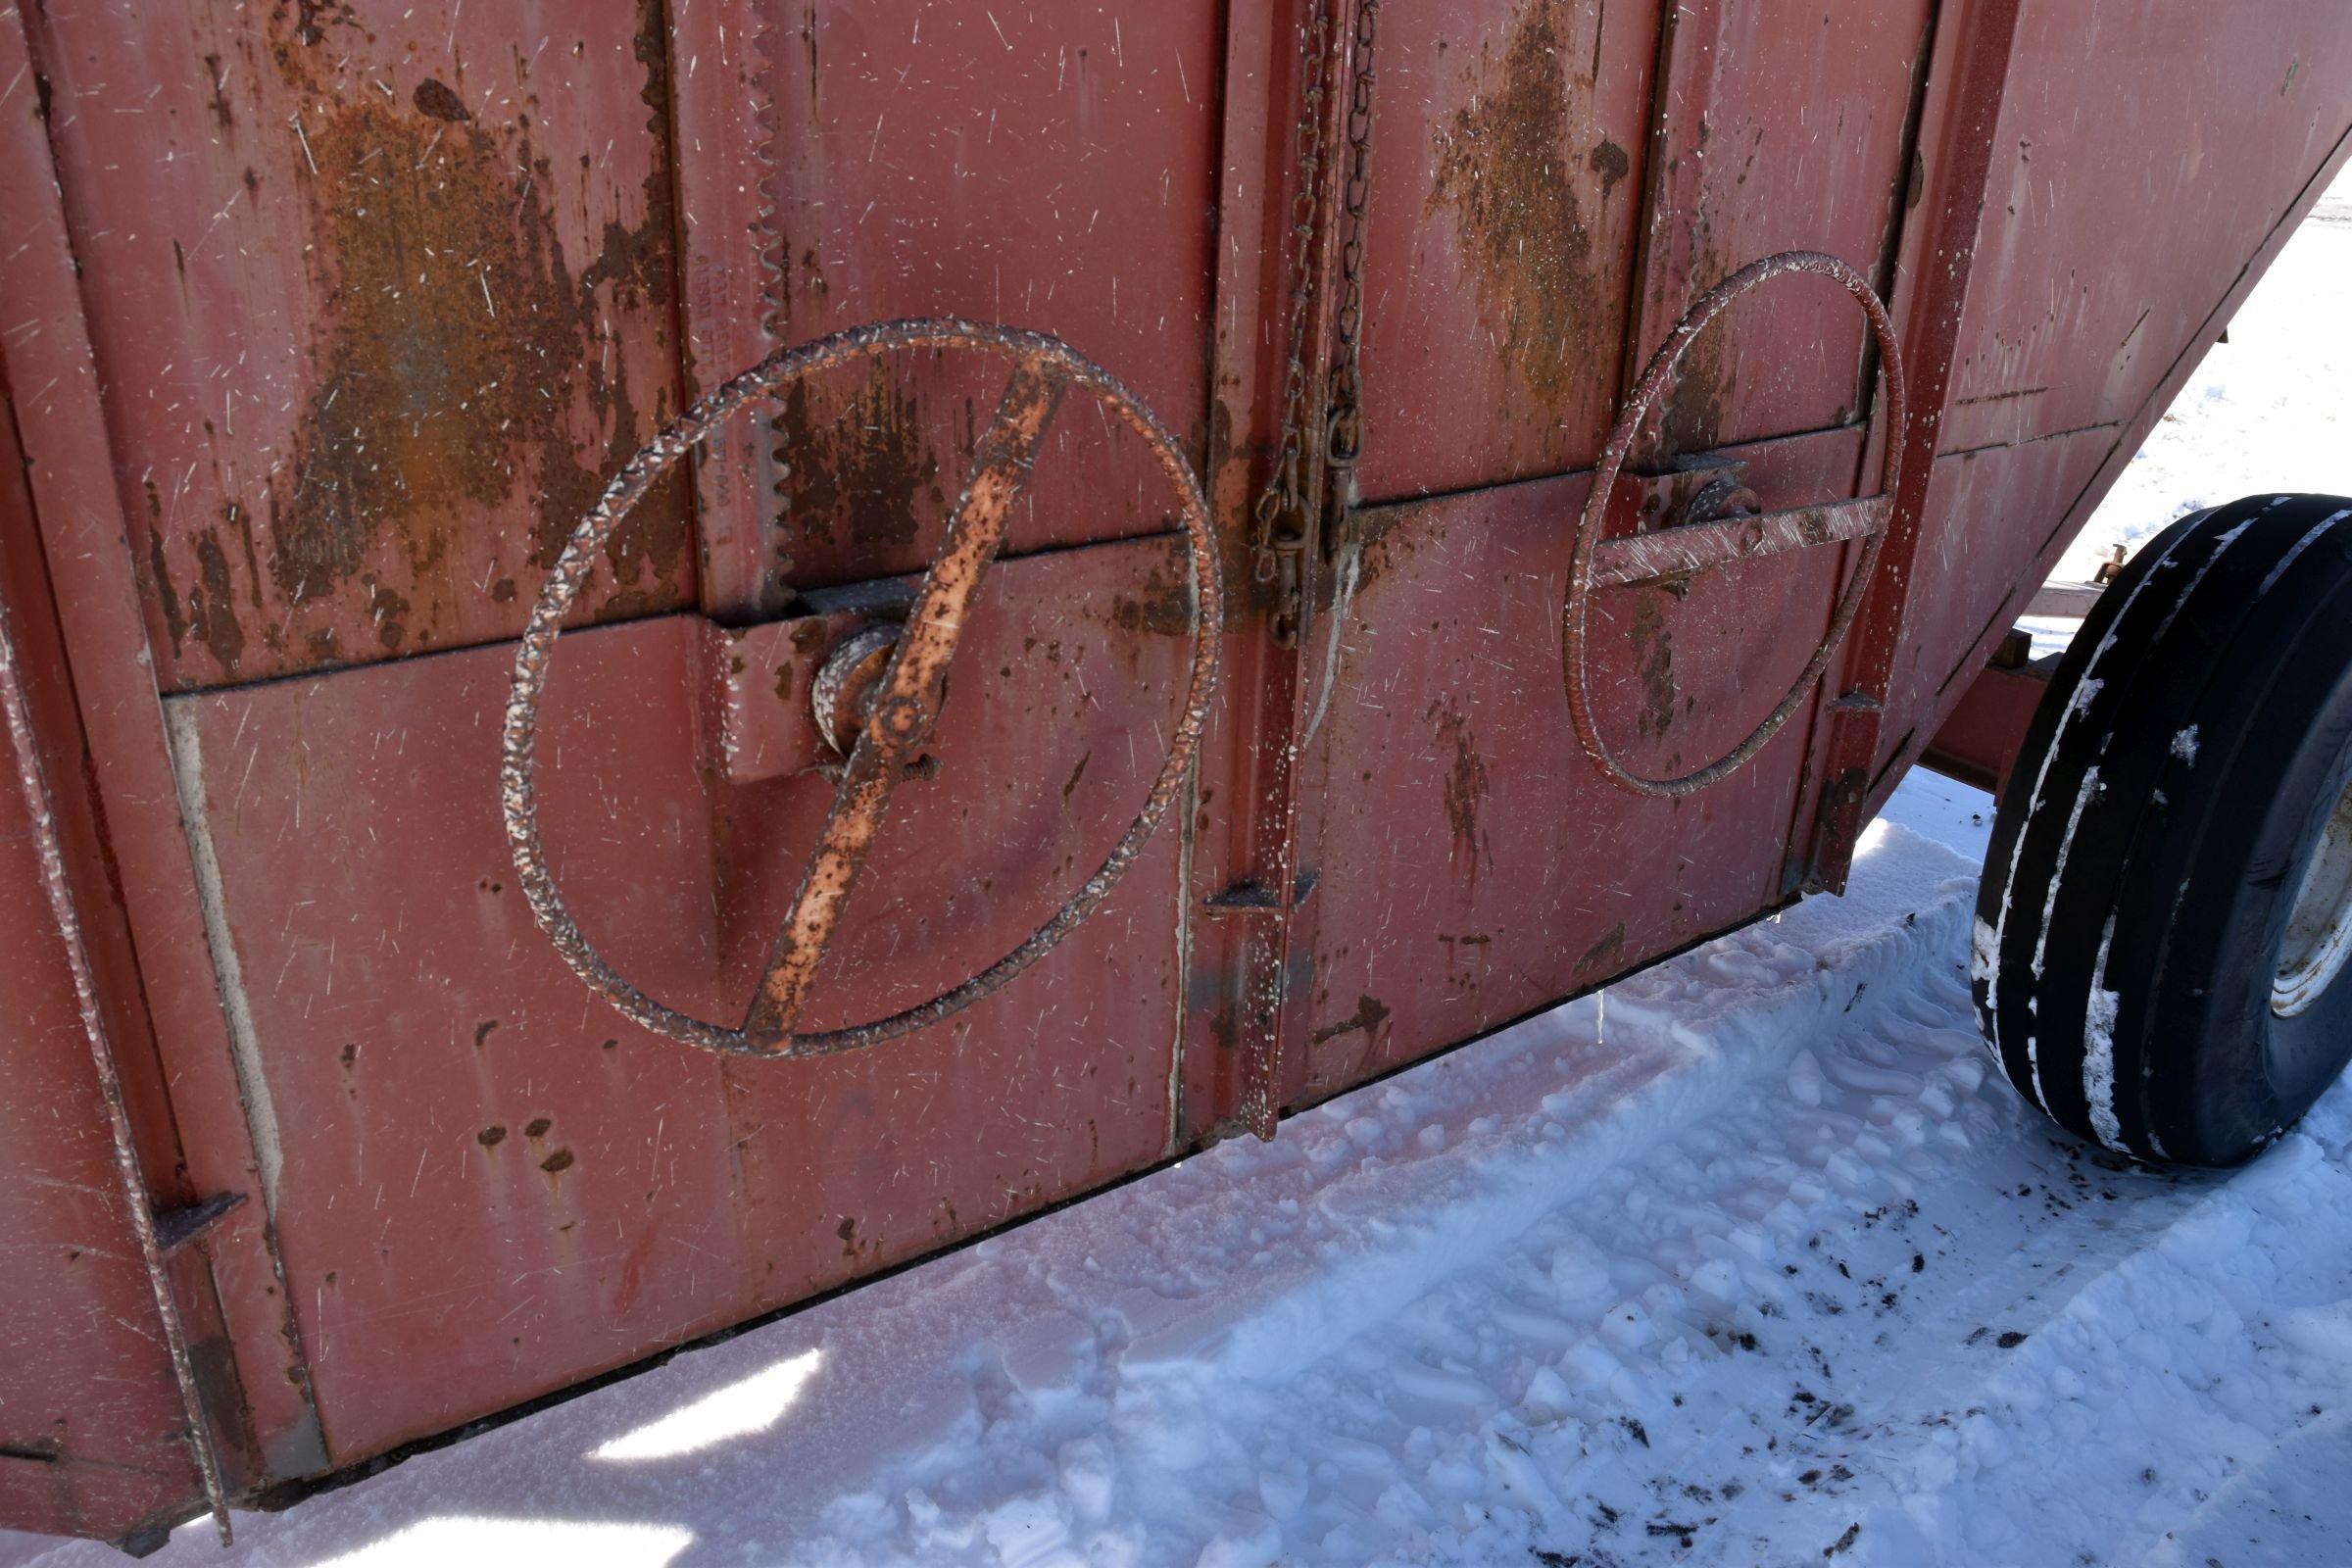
[1751,1258]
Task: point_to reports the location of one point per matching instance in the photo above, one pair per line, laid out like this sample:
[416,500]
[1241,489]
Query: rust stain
[435,97]
[1512,190]
[464,384]
[1654,667]
[1382,541]
[158,578]
[1691,410]
[432,398]
[1467,957]
[1465,787]
[560,1160]
[1162,604]
[212,611]
[1608,952]
[1232,462]
[222,116]
[313,17]
[386,609]
[1610,163]
[1370,1014]
[491,1136]
[860,464]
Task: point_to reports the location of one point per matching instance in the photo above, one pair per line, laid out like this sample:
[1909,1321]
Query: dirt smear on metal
[1653,667]
[862,466]
[1504,174]
[1693,407]
[1465,789]
[459,358]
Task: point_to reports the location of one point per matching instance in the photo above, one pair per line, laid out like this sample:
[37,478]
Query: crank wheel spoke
[906,702]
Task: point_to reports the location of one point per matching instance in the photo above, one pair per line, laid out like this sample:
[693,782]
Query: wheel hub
[2318,924]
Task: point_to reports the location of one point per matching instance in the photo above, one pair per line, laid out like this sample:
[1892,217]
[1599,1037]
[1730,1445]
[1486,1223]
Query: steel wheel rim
[2318,942]
[1575,608]
[517,745]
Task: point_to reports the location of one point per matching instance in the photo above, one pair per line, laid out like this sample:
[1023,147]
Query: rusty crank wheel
[1639,558]
[906,702]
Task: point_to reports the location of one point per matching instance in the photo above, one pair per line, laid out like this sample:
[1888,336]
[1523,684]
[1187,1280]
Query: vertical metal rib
[40,803]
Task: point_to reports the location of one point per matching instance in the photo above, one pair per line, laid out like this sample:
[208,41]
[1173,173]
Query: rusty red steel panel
[723,170]
[89,1415]
[479,1162]
[347,313]
[150,1233]
[379,980]
[1050,166]
[1538,877]
[1505,199]
[91,1425]
[126,828]
[381,291]
[2065,358]
[1775,128]
[2247,111]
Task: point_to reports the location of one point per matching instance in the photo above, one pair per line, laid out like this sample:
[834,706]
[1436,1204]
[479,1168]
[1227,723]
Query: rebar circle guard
[906,702]
[1576,675]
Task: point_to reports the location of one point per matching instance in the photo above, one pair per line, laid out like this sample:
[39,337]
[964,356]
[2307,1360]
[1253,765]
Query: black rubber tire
[2178,778]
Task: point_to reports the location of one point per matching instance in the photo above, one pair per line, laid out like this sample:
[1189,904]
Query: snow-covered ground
[1753,1258]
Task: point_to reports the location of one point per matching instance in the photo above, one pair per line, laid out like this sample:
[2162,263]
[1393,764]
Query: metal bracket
[175,1228]
[1696,488]
[1255,898]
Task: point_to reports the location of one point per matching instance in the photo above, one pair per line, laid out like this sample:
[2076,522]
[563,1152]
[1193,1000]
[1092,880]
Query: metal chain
[1284,496]
[1283,526]
[1347,429]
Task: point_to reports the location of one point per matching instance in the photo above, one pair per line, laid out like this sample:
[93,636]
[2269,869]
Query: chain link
[1346,431]
[1285,492]
[1281,516]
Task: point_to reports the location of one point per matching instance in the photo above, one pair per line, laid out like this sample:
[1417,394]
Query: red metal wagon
[1248,544]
